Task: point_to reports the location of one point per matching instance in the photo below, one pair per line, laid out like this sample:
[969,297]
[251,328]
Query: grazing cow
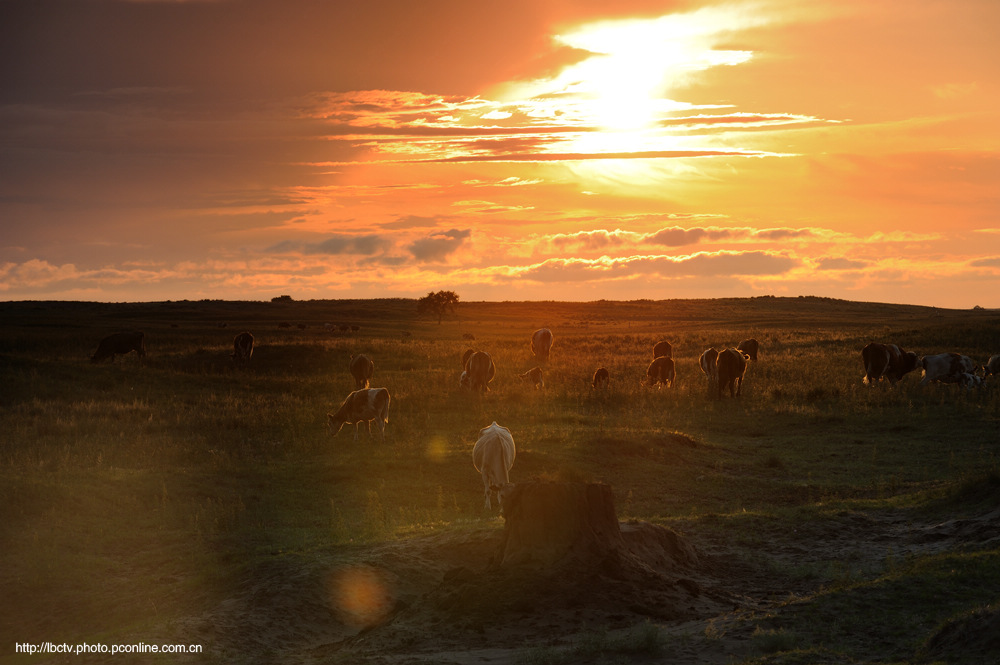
[709,363]
[360,406]
[660,371]
[731,366]
[946,367]
[355,328]
[601,378]
[534,377]
[120,344]
[242,347]
[663,348]
[469,336]
[479,371]
[362,369]
[992,367]
[541,344]
[887,361]
[749,348]
[493,456]
[284,324]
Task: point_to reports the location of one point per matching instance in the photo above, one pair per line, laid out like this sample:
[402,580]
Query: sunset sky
[523,150]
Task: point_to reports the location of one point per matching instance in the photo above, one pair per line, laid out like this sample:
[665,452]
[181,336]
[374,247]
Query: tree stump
[549,522]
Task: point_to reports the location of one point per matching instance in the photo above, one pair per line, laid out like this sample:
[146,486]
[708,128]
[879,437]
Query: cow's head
[334,424]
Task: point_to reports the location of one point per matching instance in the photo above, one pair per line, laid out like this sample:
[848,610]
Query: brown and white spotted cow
[534,377]
[362,406]
[946,368]
[709,363]
[887,361]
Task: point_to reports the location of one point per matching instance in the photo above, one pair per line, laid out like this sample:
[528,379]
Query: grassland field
[137,494]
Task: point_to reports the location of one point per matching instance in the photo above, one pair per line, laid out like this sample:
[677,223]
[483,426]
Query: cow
[469,336]
[360,406]
[120,344]
[660,372]
[992,367]
[731,365]
[749,348]
[946,367]
[534,377]
[601,378]
[541,344]
[709,363]
[493,456]
[887,361]
[242,347]
[479,371]
[362,368]
[663,349]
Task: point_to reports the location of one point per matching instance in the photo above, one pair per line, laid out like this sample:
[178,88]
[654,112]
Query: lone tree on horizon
[437,302]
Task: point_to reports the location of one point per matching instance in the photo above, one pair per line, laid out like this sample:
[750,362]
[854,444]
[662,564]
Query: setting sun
[336,153]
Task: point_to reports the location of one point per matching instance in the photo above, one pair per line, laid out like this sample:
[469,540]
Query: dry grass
[137,492]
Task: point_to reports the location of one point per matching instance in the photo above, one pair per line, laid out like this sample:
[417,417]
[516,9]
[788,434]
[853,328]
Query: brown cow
[242,347]
[534,377]
[120,344]
[887,361]
[663,348]
[479,371]
[749,347]
[660,372]
[362,369]
[541,344]
[731,365]
[601,378]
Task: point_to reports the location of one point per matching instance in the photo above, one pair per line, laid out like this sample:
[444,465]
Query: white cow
[363,405]
[493,455]
[541,343]
[946,367]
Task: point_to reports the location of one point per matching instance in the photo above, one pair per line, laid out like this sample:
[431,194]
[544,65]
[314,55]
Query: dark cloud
[993,262]
[437,246]
[676,236]
[366,245]
[840,263]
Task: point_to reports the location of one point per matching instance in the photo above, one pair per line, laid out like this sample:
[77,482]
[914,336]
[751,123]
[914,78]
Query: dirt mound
[564,564]
[974,638]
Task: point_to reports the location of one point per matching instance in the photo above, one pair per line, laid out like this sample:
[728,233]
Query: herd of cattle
[494,451]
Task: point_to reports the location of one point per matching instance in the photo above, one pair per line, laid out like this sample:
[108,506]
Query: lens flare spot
[361,596]
[437,449]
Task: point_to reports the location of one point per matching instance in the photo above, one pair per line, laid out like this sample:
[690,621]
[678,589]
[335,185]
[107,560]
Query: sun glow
[635,63]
